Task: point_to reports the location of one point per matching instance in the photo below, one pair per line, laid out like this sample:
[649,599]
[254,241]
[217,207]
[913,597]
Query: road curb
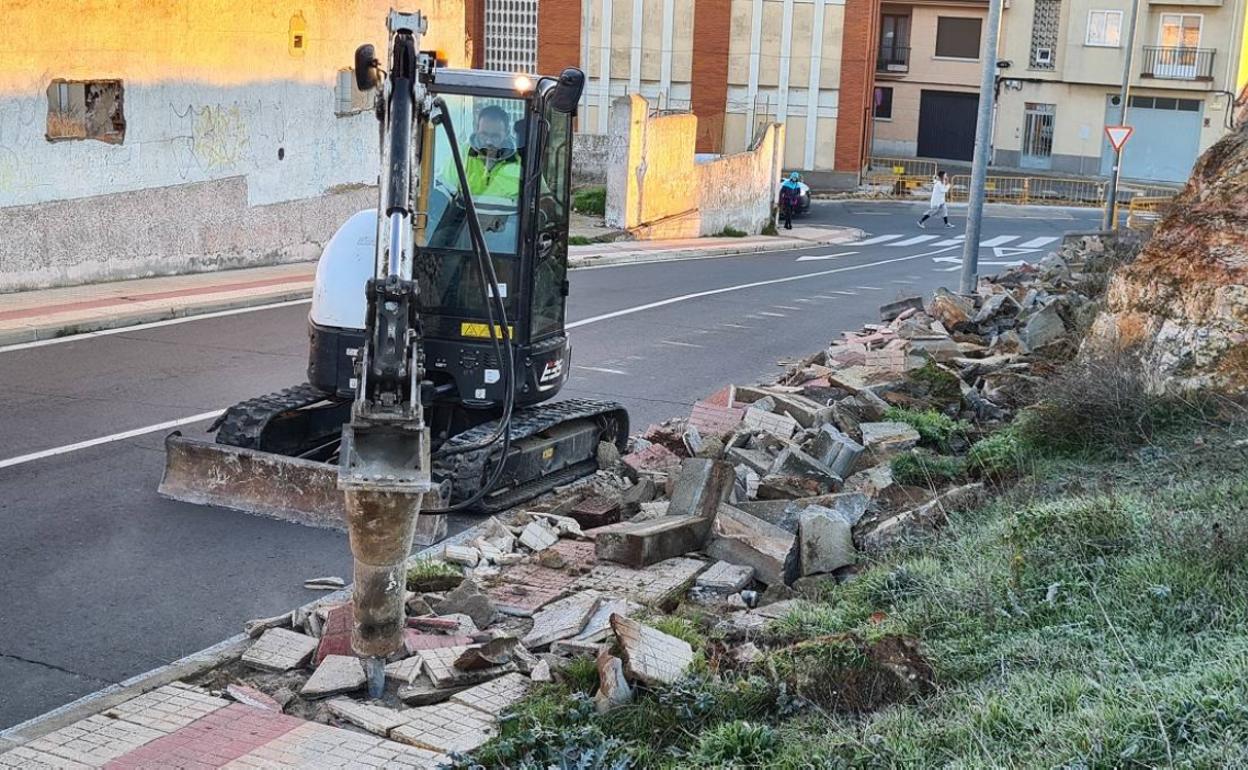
[39,333]
[188,667]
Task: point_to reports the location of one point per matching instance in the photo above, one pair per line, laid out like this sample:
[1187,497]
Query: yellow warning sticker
[548,453]
[482,331]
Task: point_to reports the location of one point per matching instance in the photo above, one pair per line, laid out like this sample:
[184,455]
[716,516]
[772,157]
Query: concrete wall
[589,158]
[232,155]
[656,189]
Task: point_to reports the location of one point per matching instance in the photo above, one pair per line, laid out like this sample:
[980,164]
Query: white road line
[602,369]
[680,344]
[1036,243]
[843,293]
[152,325]
[772,315]
[821,257]
[869,288]
[22,459]
[785,307]
[915,240]
[803,299]
[737,326]
[877,239]
[1000,240]
[955,241]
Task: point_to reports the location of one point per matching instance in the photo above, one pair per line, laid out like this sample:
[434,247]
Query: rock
[835,451]
[613,689]
[651,656]
[250,696]
[462,554]
[552,559]
[467,599]
[1044,327]
[827,542]
[1008,342]
[950,309]
[725,578]
[916,522]
[884,438]
[608,455]
[701,486]
[786,513]
[870,482]
[999,304]
[745,654]
[539,535]
[892,310]
[336,674]
[776,593]
[640,544]
[737,602]
[541,673]
[325,583]
[740,538]
[280,649]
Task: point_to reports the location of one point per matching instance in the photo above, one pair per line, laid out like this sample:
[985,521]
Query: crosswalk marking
[904,239]
[1000,240]
[878,239]
[955,241]
[1036,243]
[915,240]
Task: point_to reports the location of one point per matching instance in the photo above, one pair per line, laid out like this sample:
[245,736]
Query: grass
[591,201]
[730,232]
[433,575]
[921,468]
[579,240]
[936,430]
[1093,615]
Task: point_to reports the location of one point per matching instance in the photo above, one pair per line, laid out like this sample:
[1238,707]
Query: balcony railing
[1171,63]
[893,58]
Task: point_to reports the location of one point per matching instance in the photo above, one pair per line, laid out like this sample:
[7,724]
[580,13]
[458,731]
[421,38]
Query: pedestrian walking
[790,191]
[940,191]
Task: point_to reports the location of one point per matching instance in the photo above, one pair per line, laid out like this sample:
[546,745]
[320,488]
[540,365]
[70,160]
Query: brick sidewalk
[178,726]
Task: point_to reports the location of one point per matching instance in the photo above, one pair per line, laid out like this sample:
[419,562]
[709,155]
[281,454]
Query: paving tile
[336,633]
[440,667]
[28,759]
[446,727]
[650,655]
[280,649]
[561,619]
[336,674]
[378,720]
[96,740]
[405,671]
[167,708]
[496,696]
[414,641]
[654,586]
[598,627]
[723,577]
[314,746]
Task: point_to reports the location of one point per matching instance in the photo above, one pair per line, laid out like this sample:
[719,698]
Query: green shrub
[941,384]
[730,232]
[921,468]
[936,430]
[579,240]
[590,200]
[996,457]
[736,743]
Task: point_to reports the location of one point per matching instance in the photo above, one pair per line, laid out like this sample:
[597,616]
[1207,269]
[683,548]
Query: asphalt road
[104,579]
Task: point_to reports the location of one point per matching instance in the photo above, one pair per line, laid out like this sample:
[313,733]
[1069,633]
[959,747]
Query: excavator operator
[492,164]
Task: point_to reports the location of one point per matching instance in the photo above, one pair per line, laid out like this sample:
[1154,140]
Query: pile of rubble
[760,493]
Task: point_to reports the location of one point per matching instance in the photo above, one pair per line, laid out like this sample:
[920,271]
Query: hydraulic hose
[489,277]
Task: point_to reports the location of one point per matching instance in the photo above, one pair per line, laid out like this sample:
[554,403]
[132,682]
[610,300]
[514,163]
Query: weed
[590,200]
[735,743]
[579,240]
[936,430]
[730,232]
[433,575]
[769,228]
[941,384]
[921,468]
[581,674]
[997,457]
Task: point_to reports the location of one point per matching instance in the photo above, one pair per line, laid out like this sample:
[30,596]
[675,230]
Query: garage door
[947,125]
[1165,142]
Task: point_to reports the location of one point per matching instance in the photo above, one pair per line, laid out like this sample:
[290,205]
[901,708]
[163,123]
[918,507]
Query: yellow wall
[216,42]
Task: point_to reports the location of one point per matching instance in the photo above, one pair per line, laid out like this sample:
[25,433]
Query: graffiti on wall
[219,137]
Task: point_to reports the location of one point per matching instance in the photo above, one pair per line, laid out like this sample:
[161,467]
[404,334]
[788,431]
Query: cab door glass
[551,253]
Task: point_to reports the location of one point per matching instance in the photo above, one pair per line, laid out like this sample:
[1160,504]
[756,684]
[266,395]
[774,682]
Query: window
[1045,25]
[550,270]
[86,109]
[957,38]
[1179,30]
[884,103]
[348,100]
[1104,29]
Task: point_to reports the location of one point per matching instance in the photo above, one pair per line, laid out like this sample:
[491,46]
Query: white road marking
[736,326]
[152,325]
[804,299]
[785,307]
[843,293]
[1036,243]
[22,459]
[773,315]
[819,257]
[869,288]
[681,344]
[1000,240]
[955,241]
[915,240]
[877,239]
[602,369]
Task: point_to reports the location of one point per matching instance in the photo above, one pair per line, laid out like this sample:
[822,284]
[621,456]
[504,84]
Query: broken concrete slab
[541,672]
[496,696]
[701,486]
[950,309]
[598,625]
[422,692]
[658,585]
[336,674]
[280,649]
[786,513]
[795,463]
[538,535]
[405,671]
[335,632]
[250,696]
[870,482]
[883,438]
[644,543]
[613,688]
[827,542]
[741,538]
[447,728]
[921,521]
[325,583]
[254,628]
[725,578]
[465,555]
[440,668]
[651,656]
[1044,327]
[835,450]
[780,425]
[377,720]
[890,311]
[561,619]
[468,599]
[758,461]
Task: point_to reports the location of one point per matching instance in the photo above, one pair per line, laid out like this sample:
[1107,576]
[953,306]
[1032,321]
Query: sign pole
[980,159]
[1111,197]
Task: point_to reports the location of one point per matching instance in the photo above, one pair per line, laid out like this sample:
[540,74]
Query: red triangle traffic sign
[1118,136]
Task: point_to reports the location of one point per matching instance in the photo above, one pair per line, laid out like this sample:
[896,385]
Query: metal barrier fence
[901,167]
[1144,211]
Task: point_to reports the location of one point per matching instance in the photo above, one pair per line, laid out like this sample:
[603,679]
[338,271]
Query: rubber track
[242,425]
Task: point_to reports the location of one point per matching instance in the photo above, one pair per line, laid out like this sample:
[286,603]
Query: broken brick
[596,511]
[712,420]
[655,458]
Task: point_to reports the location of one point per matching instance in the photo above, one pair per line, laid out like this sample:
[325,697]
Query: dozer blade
[287,488]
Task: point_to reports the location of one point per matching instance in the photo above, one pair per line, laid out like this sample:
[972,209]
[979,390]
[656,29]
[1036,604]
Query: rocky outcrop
[1182,305]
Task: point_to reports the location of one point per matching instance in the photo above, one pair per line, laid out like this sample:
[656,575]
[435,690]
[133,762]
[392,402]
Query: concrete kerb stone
[747,246]
[193,665]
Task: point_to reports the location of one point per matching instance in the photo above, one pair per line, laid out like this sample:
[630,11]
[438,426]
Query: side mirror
[567,92]
[367,68]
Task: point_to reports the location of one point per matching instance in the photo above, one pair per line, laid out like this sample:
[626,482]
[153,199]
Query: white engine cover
[345,266]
